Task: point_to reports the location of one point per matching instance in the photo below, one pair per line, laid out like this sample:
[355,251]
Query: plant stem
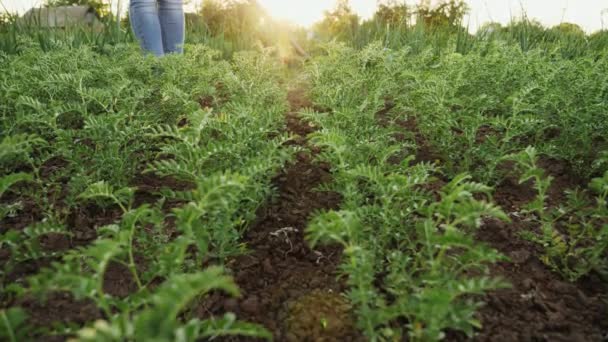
[133,269]
[9,328]
[132,266]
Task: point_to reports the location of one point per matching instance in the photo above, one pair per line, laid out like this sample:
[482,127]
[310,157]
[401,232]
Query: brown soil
[149,188]
[59,306]
[29,212]
[540,306]
[484,132]
[289,288]
[424,152]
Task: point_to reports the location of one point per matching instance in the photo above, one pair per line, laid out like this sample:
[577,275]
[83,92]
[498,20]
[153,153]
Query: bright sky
[586,13]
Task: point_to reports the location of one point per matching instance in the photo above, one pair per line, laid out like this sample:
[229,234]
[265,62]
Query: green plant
[579,246]
[427,282]
[15,150]
[103,191]
[81,124]
[587,233]
[211,218]
[159,321]
[12,324]
[550,239]
[28,246]
[406,255]
[6,182]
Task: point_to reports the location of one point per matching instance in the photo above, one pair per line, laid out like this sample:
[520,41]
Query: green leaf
[9,180]
[103,190]
[229,326]
[12,324]
[598,185]
[173,296]
[19,145]
[333,226]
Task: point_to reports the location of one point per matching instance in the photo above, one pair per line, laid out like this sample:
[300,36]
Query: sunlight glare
[303,13]
[307,12]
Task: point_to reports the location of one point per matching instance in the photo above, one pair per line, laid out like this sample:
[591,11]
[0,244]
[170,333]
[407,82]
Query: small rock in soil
[251,305]
[291,337]
[563,287]
[312,257]
[267,267]
[527,284]
[231,305]
[520,256]
[241,275]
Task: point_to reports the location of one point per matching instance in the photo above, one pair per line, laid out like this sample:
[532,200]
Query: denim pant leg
[146,25]
[172,23]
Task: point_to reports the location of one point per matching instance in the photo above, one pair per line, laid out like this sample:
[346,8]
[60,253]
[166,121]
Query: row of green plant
[566,40]
[445,23]
[407,228]
[171,157]
[480,109]
[517,98]
[573,236]
[409,256]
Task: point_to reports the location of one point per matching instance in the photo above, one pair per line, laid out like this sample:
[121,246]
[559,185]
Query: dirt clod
[319,316]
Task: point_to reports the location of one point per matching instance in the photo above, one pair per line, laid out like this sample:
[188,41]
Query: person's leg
[172,22]
[146,25]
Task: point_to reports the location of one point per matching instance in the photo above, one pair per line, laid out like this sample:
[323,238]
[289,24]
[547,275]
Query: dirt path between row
[287,287]
[540,305]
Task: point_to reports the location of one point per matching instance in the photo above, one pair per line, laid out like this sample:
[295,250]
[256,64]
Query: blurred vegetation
[448,13]
[393,12]
[235,25]
[102,7]
[340,23]
[230,26]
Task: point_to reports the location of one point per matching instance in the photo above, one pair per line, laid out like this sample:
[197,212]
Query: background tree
[4,18]
[102,7]
[232,18]
[491,29]
[392,12]
[341,22]
[569,29]
[447,13]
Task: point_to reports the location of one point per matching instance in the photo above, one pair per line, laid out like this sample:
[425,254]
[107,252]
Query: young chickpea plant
[579,246]
[159,318]
[13,324]
[85,141]
[406,256]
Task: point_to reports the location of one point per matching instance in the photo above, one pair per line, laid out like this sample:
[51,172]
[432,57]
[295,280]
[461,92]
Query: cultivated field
[365,194]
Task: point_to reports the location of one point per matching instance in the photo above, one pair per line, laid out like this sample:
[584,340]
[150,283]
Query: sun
[301,12]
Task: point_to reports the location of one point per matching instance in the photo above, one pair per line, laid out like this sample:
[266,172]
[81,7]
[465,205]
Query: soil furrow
[287,287]
[540,306]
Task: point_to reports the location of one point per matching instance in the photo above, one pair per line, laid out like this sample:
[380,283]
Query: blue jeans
[159,25]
